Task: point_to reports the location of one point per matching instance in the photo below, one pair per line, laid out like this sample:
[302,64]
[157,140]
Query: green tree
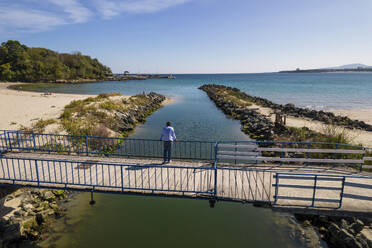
[5,72]
[21,63]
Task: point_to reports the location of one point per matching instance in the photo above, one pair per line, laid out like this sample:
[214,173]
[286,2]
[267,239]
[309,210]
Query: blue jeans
[167,150]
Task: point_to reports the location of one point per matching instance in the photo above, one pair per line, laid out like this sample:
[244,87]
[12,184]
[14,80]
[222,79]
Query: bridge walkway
[255,183]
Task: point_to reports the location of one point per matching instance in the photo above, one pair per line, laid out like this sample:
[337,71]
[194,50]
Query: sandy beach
[24,108]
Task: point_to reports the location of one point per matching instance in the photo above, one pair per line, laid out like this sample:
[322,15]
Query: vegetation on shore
[109,114]
[25,64]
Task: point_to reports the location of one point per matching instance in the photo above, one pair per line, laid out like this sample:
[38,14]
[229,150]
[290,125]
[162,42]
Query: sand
[357,136]
[362,114]
[25,108]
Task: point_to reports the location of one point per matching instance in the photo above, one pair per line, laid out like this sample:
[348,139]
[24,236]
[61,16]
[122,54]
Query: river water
[136,221]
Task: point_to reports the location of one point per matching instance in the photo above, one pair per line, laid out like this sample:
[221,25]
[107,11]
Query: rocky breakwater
[341,232]
[27,214]
[138,113]
[109,115]
[292,110]
[228,99]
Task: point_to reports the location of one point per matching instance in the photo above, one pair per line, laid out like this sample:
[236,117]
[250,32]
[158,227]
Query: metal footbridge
[299,176]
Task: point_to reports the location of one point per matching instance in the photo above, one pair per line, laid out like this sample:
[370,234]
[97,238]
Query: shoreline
[22,108]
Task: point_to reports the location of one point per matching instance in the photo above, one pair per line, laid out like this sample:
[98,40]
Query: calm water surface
[135,221]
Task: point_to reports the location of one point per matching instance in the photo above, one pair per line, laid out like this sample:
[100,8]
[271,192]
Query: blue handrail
[94,145]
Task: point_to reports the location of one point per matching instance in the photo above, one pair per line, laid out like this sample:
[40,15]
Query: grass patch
[85,117]
[236,97]
[41,124]
[109,105]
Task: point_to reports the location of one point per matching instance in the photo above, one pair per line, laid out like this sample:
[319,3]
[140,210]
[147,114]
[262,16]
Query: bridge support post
[342,192]
[34,141]
[9,141]
[37,173]
[212,203]
[92,201]
[86,145]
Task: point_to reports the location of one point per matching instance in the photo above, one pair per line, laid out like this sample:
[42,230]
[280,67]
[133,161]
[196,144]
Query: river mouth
[139,221]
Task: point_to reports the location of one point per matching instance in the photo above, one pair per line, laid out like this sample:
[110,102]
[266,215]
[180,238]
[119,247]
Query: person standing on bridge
[168,136]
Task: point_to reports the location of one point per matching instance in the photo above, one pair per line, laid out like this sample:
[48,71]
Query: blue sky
[197,36]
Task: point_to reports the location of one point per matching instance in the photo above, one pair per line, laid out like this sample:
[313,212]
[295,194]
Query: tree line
[27,64]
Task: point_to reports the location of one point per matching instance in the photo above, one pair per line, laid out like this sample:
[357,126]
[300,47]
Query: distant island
[343,68]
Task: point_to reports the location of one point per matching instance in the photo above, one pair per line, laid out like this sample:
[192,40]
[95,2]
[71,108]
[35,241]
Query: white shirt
[168,134]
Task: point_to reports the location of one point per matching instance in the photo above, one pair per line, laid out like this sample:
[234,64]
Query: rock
[27,225]
[47,213]
[323,230]
[31,213]
[39,209]
[344,224]
[9,197]
[19,212]
[49,196]
[39,219]
[357,226]
[44,205]
[306,223]
[54,207]
[17,193]
[366,234]
[28,207]
[59,193]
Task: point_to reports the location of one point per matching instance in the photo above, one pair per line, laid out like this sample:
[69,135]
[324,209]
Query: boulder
[49,196]
[357,226]
[366,234]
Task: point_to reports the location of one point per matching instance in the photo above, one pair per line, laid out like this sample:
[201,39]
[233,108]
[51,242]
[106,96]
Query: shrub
[41,124]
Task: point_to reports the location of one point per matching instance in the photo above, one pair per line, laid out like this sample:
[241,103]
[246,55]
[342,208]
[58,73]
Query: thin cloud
[26,20]
[110,8]
[77,12]
[38,16]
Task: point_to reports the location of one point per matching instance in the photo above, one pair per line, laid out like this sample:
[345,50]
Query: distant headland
[19,63]
[343,68]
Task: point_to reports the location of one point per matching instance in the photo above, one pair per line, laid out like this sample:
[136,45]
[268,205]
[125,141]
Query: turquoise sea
[135,221]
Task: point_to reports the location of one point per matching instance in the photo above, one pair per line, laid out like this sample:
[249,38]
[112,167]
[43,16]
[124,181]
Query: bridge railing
[322,190]
[244,184]
[92,145]
[291,152]
[98,176]
[368,159]
[3,143]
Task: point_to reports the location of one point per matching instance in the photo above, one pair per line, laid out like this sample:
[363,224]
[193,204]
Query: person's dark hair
[168,123]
